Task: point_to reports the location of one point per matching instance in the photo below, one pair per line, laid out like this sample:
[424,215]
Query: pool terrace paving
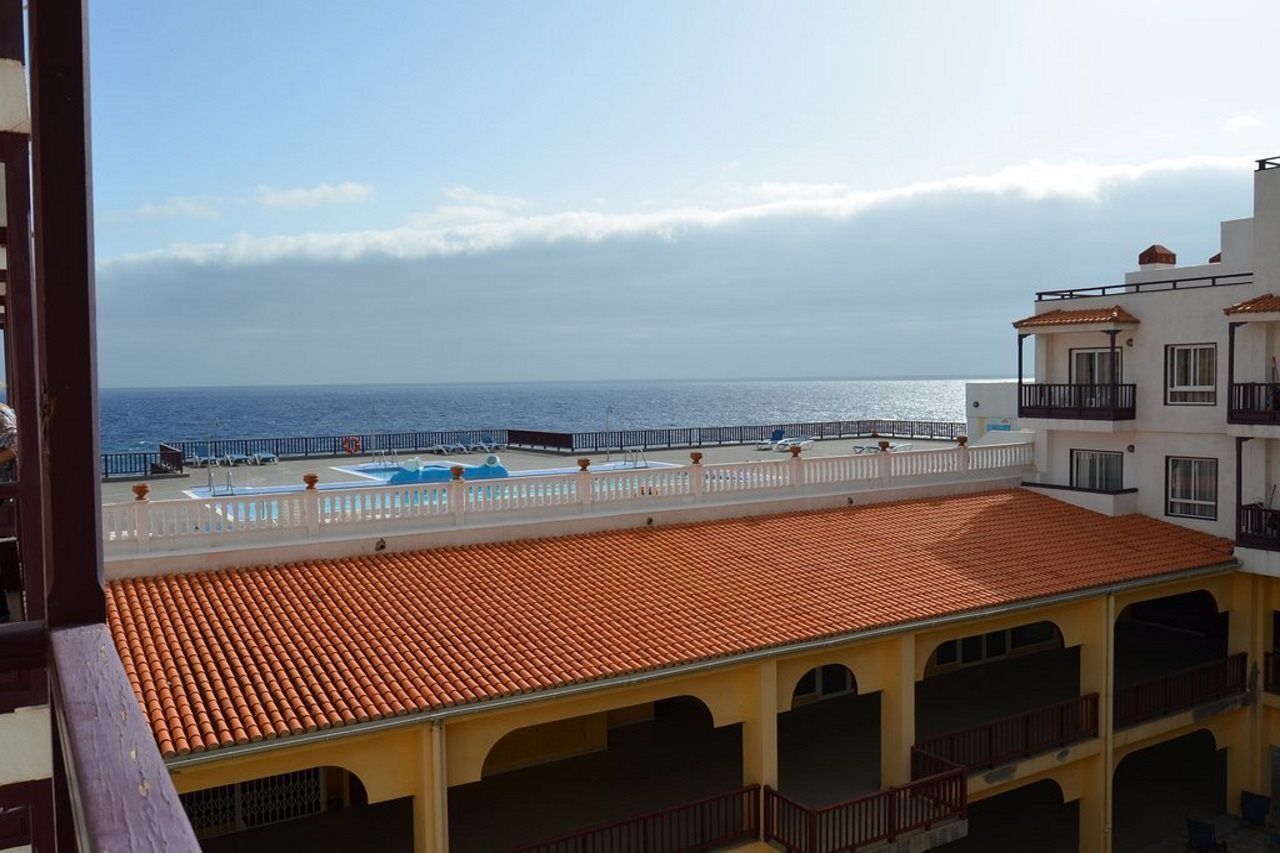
[289,472]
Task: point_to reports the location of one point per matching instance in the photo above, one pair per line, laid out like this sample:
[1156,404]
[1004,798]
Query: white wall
[990,403]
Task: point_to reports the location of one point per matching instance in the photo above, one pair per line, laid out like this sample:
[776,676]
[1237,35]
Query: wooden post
[64,288]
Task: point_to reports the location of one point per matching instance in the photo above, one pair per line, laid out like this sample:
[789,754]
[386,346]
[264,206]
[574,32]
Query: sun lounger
[202,458]
[233,459]
[787,443]
[263,457]
[772,441]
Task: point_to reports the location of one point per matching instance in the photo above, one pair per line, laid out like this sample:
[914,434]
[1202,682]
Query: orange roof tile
[233,656]
[1257,305]
[1077,317]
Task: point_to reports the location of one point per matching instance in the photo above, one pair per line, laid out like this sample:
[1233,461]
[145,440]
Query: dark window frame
[1217,500]
[1167,348]
[1071,466]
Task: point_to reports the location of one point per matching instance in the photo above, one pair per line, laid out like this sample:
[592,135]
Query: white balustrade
[188,524]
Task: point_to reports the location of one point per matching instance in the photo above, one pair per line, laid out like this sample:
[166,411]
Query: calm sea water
[138,419]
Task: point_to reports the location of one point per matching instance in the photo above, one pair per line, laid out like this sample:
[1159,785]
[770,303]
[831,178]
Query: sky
[316,193]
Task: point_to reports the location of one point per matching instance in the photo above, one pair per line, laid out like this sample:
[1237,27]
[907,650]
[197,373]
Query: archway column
[760,725]
[431,807]
[898,710]
[1097,675]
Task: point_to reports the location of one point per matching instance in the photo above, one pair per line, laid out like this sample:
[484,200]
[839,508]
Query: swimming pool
[428,471]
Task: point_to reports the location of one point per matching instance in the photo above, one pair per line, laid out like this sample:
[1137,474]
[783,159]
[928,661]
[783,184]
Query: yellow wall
[421,759]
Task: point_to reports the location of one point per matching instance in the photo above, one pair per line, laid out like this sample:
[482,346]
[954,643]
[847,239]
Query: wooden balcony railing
[1078,402]
[1258,527]
[882,816]
[1254,403]
[725,819]
[1018,736]
[1178,691]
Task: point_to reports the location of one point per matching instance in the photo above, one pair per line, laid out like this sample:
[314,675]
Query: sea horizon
[134,419]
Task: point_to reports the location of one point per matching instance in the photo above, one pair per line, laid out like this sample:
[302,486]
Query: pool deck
[290,471]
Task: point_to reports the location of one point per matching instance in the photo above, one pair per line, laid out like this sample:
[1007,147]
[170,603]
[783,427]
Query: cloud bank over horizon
[775,279]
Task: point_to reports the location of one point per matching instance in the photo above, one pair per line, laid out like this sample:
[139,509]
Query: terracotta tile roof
[1077,317]
[1257,305]
[225,657]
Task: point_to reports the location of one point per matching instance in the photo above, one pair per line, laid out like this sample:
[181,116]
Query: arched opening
[1032,817]
[976,679]
[829,739]
[555,778]
[319,808]
[1170,655]
[1156,789]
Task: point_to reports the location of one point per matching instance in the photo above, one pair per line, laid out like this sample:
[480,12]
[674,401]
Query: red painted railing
[718,821]
[1181,690]
[870,819]
[1017,736]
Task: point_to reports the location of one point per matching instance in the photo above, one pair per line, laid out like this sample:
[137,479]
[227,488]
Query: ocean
[140,418]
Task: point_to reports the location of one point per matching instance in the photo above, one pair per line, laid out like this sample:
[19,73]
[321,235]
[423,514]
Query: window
[1093,366]
[1192,487]
[1034,634]
[1100,470]
[1191,374]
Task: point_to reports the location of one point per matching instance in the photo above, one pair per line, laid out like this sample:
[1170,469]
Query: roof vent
[1216,259]
[1156,257]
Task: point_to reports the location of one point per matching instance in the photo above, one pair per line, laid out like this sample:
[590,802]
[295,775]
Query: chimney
[1156,257]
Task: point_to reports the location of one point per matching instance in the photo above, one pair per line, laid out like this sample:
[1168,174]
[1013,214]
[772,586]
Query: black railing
[1268,163]
[1254,403]
[1179,691]
[171,456]
[726,819]
[1258,527]
[1192,283]
[1079,402]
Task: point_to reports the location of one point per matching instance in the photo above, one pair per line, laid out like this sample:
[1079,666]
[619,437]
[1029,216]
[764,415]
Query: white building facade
[1161,395]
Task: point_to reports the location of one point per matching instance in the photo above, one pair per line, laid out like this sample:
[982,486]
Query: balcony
[724,820]
[936,796]
[1258,527]
[1181,691]
[1018,736]
[1077,402]
[1254,403]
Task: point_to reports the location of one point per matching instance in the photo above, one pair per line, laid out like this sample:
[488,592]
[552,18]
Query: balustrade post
[311,504]
[140,518]
[962,448]
[697,476]
[583,485]
[797,468]
[886,464]
[457,494]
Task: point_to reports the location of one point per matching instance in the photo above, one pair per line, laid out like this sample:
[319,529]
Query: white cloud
[295,198]
[484,223]
[469,207]
[1243,121]
[178,207]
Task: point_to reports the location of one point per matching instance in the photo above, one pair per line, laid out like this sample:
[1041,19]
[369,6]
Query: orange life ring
[351,444]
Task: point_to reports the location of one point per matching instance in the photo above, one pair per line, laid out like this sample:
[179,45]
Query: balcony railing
[1018,736]
[882,816]
[170,457]
[1254,403]
[1179,691]
[1190,283]
[142,526]
[1258,527]
[1078,402]
[725,819]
